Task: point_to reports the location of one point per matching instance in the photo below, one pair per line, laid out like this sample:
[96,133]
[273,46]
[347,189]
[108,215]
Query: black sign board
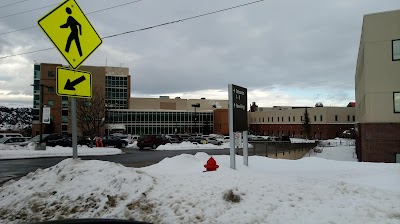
[239,98]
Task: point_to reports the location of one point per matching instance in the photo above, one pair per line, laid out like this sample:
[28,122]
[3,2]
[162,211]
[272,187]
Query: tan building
[377,86]
[165,103]
[325,122]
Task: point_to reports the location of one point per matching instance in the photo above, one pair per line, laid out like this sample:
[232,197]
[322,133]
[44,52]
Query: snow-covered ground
[176,190]
[335,149]
[20,152]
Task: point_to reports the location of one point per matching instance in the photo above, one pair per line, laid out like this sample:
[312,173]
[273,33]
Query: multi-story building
[325,122]
[377,87]
[113,82]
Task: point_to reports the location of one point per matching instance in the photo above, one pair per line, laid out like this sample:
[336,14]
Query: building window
[36,97]
[50,74]
[289,119]
[321,118]
[395,50]
[282,119]
[272,119]
[335,117]
[348,117]
[263,120]
[354,118]
[50,89]
[64,127]
[396,102]
[50,103]
[315,118]
[278,119]
[294,119]
[268,119]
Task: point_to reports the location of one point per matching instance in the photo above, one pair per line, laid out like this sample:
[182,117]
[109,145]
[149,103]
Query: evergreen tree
[306,124]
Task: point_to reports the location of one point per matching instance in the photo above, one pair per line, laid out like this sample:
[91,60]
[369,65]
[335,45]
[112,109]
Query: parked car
[60,140]
[114,141]
[213,140]
[13,140]
[184,137]
[173,138]
[152,141]
[45,138]
[226,139]
[197,139]
[4,135]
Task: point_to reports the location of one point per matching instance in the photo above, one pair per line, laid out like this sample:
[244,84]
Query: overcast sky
[284,52]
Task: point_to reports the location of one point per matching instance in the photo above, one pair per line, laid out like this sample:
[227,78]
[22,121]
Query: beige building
[377,88]
[165,103]
[325,122]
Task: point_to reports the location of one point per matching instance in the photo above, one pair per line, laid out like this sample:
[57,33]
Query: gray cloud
[310,45]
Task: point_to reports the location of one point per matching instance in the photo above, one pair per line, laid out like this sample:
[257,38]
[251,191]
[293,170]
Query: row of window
[126,117]
[281,119]
[166,129]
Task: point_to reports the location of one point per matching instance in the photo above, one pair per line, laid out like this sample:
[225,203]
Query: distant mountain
[15,119]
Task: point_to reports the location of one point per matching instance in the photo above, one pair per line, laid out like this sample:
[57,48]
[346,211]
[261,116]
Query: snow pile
[17,152]
[176,190]
[76,189]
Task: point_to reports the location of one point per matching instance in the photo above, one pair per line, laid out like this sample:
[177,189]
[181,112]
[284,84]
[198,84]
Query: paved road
[132,157]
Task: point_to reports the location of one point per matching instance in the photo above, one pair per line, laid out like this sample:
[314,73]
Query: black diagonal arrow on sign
[71,85]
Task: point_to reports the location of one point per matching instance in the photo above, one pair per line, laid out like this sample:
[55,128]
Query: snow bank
[19,152]
[75,189]
[176,190]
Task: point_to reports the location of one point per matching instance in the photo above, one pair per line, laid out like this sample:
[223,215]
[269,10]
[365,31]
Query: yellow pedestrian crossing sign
[71,32]
[73,83]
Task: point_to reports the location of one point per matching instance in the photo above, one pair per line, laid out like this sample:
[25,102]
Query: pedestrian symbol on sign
[71,32]
[73,25]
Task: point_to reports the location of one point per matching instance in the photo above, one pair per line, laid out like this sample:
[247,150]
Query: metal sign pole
[245,149]
[74,129]
[231,134]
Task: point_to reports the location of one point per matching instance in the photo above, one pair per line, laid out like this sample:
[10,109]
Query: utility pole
[41,109]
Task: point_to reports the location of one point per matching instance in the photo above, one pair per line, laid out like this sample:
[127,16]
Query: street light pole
[195,115]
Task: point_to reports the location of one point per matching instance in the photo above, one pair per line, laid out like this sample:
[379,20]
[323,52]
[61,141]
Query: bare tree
[91,113]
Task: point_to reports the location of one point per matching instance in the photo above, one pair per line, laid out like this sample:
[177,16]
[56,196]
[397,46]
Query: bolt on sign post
[73,35]
[237,120]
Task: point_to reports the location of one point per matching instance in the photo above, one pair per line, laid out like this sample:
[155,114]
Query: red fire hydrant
[211,165]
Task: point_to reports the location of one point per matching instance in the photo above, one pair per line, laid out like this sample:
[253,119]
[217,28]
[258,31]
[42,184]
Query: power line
[31,10]
[150,27]
[182,20]
[3,6]
[29,52]
[100,10]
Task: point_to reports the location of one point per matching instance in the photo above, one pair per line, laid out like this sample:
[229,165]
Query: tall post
[231,134]
[245,149]
[41,86]
[74,129]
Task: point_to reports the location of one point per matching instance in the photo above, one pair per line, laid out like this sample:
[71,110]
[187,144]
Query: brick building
[113,82]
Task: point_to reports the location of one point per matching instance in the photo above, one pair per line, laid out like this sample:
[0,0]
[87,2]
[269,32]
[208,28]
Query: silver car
[13,140]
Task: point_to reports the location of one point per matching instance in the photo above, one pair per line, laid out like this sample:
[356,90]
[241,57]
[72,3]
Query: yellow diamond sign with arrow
[71,32]
[73,83]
